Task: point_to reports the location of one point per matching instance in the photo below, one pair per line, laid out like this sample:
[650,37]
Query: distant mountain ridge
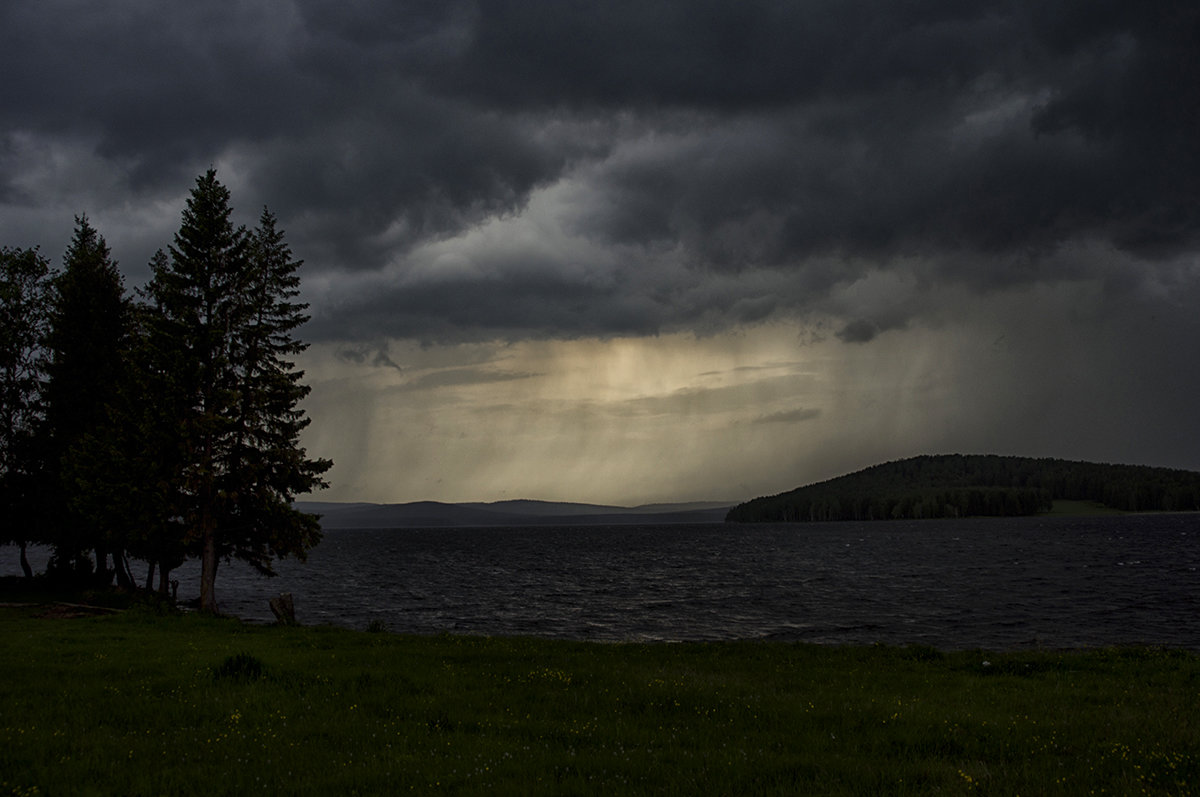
[965,485]
[421,514]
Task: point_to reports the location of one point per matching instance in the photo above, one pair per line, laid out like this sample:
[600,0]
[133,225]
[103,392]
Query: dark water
[990,583]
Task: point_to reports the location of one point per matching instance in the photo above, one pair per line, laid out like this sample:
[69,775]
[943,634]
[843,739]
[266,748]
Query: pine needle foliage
[221,338]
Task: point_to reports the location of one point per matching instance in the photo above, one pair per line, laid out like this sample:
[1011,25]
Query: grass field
[138,702]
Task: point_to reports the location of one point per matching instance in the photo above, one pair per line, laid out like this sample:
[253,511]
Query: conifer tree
[127,471]
[86,352]
[219,333]
[268,466]
[24,320]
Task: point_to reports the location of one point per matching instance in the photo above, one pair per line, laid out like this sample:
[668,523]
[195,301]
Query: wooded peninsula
[984,485]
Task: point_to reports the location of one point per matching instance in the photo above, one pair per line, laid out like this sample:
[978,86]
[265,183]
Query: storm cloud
[459,173]
[810,143]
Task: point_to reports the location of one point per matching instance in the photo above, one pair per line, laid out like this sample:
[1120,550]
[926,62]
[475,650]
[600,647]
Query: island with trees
[958,485]
[160,426]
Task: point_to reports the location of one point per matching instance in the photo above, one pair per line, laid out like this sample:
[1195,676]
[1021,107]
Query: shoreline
[53,609]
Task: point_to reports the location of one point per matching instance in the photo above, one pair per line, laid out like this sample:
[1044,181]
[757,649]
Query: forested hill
[957,485]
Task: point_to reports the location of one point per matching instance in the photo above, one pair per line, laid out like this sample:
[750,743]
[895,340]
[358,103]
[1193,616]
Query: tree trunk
[150,577]
[103,574]
[208,569]
[164,575]
[25,568]
[121,566]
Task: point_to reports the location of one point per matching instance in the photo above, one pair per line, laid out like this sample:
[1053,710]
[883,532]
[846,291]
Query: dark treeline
[159,426]
[956,485]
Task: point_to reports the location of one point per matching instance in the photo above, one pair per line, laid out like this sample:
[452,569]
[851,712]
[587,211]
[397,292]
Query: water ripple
[1046,582]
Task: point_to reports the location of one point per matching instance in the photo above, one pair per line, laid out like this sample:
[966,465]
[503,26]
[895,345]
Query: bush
[242,667]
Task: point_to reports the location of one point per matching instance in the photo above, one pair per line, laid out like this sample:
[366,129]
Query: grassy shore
[137,702]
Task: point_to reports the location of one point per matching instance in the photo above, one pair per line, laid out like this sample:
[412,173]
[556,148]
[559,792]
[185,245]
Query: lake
[1046,582]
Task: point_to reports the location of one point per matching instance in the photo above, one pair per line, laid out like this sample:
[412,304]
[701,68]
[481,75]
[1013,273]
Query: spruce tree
[268,466]
[86,353]
[24,321]
[127,472]
[220,321]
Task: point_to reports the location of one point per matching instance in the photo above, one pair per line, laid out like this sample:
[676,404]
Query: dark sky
[661,250]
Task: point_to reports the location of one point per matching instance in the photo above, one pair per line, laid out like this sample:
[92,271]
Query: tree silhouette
[24,320]
[85,353]
[220,325]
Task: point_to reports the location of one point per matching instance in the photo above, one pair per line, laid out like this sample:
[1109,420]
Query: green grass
[141,703]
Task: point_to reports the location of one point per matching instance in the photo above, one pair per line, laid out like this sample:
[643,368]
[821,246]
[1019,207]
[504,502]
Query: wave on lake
[977,583]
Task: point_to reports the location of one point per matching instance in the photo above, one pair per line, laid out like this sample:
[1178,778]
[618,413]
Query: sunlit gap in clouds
[752,410]
[623,420]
